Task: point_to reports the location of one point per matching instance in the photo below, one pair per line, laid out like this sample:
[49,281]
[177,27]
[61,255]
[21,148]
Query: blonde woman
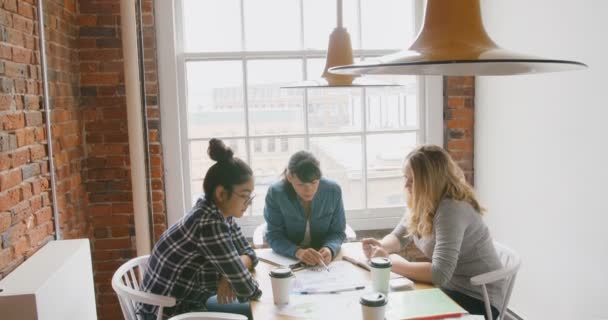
[445,223]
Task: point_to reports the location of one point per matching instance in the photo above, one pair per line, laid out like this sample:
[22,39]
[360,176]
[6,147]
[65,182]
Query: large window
[232,57]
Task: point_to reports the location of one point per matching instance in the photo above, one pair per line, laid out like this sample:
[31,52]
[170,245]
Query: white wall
[541,156]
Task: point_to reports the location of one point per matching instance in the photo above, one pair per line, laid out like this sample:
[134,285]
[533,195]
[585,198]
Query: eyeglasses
[248,198]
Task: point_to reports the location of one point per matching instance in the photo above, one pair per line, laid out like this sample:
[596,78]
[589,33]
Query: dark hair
[228,171]
[303,165]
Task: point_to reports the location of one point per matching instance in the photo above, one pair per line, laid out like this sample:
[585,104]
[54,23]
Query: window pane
[385,154]
[215,99]
[387,24]
[392,107]
[216,106]
[272,25]
[334,110]
[200,162]
[268,164]
[212,25]
[314,68]
[341,159]
[273,110]
[320,19]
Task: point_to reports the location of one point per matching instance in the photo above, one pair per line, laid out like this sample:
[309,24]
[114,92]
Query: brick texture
[107,169]
[459,121]
[89,134]
[66,118]
[25,208]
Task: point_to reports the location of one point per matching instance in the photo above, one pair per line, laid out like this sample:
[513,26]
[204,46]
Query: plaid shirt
[191,256]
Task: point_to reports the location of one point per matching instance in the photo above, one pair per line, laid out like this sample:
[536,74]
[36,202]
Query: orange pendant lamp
[339,52]
[454,42]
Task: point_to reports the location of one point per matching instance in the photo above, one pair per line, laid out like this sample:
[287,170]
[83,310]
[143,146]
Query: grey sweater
[460,248]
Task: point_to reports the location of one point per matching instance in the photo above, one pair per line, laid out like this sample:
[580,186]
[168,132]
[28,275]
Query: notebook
[422,304]
[269,256]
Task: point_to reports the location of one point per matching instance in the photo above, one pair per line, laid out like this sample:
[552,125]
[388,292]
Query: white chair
[259,235]
[209,316]
[510,265]
[126,281]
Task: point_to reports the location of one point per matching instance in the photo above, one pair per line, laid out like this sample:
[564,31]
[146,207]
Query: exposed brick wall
[64,75]
[89,132]
[459,121]
[25,209]
[107,172]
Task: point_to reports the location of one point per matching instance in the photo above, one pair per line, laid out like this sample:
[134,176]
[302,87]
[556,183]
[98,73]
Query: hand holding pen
[324,265]
[313,257]
[309,256]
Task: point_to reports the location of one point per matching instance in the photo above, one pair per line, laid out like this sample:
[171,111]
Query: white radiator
[55,283]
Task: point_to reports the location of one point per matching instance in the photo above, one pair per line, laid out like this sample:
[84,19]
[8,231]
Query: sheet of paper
[322,308]
[272,257]
[341,275]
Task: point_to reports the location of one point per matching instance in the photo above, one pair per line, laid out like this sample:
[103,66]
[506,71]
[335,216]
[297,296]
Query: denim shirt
[287,222]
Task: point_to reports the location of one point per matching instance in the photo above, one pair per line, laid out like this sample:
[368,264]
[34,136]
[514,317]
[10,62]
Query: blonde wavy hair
[435,177]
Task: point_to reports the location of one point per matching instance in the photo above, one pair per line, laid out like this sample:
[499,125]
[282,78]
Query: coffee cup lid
[281,273]
[373,299]
[380,262]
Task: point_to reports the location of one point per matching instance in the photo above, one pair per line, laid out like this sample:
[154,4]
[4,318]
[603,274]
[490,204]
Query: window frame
[172,76]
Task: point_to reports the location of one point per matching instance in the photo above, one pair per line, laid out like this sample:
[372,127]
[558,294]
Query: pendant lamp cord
[339,13]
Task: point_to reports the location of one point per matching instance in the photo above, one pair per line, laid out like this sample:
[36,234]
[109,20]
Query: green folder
[422,304]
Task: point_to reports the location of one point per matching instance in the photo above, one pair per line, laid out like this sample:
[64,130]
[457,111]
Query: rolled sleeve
[400,232]
[220,251]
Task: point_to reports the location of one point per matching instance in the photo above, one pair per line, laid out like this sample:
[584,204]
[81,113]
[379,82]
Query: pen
[355,262]
[334,291]
[325,266]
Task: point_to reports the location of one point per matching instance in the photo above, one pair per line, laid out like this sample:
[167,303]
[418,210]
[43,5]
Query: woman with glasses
[445,223]
[305,213]
[205,254]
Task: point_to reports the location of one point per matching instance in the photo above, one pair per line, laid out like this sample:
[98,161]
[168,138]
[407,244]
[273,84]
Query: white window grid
[183,58]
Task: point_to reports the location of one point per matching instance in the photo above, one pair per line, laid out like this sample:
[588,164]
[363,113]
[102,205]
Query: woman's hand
[368,245]
[378,252]
[326,254]
[225,294]
[309,256]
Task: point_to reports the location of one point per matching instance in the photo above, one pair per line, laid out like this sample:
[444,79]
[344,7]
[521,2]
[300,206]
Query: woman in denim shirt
[305,212]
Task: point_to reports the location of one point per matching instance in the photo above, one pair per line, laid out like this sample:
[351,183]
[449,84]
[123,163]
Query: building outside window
[229,83]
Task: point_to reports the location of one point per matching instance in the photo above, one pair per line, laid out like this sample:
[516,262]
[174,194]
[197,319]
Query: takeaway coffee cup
[281,280]
[381,271]
[373,306]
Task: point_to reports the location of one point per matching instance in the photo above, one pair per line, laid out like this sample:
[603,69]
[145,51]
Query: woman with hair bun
[205,253]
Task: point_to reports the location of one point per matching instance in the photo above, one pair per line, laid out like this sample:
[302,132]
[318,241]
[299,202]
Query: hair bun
[218,151]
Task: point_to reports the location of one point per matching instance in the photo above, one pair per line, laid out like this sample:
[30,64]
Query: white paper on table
[319,307]
[341,275]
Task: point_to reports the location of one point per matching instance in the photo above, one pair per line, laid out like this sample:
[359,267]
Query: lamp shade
[454,42]
[339,52]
